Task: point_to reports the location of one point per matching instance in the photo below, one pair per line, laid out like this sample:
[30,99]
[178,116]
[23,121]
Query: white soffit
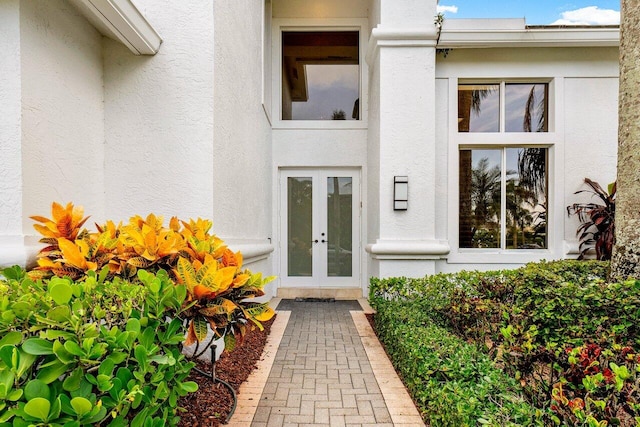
[479,33]
[121,21]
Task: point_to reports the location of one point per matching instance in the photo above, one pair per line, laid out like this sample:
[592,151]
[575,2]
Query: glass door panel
[339,226]
[299,232]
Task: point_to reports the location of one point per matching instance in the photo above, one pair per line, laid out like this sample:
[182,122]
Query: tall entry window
[320,75]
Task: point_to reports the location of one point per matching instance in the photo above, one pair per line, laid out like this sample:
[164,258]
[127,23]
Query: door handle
[315,241]
[323,241]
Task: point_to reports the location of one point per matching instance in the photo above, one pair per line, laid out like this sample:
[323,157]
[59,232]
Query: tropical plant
[219,292]
[597,220]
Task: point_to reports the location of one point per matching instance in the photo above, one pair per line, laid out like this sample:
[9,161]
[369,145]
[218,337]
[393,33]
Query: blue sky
[537,12]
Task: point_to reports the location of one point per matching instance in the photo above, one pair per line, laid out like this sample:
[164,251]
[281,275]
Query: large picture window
[503,198]
[320,75]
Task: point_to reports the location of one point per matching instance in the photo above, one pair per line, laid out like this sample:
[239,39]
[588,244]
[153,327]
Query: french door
[320,227]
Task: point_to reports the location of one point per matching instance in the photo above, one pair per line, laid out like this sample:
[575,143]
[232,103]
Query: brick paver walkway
[321,375]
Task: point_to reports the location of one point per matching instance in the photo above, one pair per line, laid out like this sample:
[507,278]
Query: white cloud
[443,9]
[590,15]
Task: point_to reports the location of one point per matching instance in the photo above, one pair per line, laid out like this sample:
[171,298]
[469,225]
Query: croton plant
[220,292]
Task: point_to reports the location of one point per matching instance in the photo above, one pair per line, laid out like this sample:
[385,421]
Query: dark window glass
[320,75]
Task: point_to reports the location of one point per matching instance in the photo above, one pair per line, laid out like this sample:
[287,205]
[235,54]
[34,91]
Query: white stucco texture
[62,109]
[590,140]
[407,14]
[10,123]
[159,117]
[320,9]
[242,158]
[407,140]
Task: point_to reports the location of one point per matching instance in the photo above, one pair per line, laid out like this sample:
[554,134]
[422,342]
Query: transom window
[503,107]
[503,198]
[320,75]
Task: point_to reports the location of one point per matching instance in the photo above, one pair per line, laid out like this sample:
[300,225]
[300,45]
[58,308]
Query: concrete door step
[322,293]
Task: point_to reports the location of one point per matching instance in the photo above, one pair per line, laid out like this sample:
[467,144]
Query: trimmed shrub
[568,338]
[453,383]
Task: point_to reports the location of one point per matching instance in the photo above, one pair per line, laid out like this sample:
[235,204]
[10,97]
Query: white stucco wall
[407,139]
[159,117]
[591,143]
[441,159]
[242,134]
[407,14]
[320,9]
[528,62]
[165,152]
[11,241]
[373,163]
[62,132]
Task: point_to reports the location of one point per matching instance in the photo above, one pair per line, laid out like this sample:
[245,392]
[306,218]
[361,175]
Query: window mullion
[502,107]
[503,200]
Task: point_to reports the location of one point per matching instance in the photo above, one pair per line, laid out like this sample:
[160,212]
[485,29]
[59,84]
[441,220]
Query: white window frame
[267,57]
[488,140]
[337,24]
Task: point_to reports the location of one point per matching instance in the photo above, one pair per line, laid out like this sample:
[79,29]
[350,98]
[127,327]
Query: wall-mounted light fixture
[400,193]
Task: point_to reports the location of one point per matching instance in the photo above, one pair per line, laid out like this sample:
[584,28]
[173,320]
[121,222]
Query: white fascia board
[530,37]
[124,22]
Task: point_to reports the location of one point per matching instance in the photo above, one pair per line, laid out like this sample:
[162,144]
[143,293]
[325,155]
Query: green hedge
[567,301]
[453,383]
[91,352]
[566,339]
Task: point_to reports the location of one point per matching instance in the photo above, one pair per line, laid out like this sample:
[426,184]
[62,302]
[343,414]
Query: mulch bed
[210,405]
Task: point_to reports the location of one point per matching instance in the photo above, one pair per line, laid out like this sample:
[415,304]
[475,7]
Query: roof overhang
[493,33]
[121,21]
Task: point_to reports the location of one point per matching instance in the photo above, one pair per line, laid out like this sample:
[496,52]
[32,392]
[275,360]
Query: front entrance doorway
[320,228]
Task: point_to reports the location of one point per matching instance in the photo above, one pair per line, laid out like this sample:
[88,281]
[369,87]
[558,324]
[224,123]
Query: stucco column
[11,238]
[402,53]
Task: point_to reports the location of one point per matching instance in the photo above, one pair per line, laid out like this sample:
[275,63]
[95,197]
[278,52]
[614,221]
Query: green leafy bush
[453,383]
[89,352]
[568,338]
[597,387]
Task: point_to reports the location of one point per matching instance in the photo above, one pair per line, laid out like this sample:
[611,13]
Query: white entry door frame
[320,228]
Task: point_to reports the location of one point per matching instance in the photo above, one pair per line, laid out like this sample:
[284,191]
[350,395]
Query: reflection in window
[526,107]
[339,220]
[478,108]
[517,220]
[480,196]
[320,75]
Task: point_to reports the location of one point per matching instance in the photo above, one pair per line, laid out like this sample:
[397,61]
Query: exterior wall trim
[122,21]
[435,249]
[399,38]
[529,37]
[251,252]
